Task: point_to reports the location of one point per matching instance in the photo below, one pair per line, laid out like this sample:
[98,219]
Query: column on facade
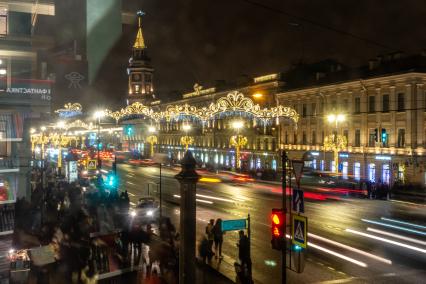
[409,132]
[392,106]
[349,116]
[420,115]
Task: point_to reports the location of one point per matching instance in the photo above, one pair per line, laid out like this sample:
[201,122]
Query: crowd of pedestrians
[88,227]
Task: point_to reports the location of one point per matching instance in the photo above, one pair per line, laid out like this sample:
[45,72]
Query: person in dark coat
[218,237]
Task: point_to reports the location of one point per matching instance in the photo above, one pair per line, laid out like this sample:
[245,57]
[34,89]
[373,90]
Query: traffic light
[111,181]
[384,136]
[376,135]
[129,130]
[277,228]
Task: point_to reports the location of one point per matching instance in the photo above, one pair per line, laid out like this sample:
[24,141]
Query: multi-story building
[383,105]
[25,96]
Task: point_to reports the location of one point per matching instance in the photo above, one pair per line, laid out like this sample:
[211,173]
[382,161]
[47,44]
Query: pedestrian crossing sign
[299,230]
[91,165]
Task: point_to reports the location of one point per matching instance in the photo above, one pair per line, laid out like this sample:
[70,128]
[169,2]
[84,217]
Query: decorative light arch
[233,102]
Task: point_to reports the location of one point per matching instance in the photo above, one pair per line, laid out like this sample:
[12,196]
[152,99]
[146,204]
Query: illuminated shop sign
[315,153]
[383,158]
[344,155]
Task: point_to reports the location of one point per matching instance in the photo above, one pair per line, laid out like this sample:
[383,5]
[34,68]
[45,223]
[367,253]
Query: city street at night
[212,142]
[371,252]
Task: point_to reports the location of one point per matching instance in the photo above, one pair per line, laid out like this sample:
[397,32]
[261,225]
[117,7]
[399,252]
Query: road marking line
[350,248]
[133,204]
[386,240]
[397,236]
[406,202]
[404,223]
[131,183]
[131,194]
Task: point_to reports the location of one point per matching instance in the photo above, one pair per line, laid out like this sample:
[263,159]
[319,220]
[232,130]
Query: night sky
[203,41]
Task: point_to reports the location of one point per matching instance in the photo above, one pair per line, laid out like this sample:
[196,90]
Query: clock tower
[140,71]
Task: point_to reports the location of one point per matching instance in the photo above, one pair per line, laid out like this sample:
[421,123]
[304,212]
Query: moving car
[146,210]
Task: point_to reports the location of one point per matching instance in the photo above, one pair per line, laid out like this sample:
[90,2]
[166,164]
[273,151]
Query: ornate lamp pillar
[238,141]
[186,141]
[188,179]
[335,143]
[152,139]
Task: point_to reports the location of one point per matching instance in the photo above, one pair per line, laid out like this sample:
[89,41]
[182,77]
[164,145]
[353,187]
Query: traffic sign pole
[284,197]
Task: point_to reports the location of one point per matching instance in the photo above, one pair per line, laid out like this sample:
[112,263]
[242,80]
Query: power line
[321,25]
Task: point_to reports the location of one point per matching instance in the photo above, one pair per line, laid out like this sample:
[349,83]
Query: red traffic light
[277,228]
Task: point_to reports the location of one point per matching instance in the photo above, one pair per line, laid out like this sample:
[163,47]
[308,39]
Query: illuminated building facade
[384,106]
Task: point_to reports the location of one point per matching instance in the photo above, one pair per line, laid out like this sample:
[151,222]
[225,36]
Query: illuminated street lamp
[186,140]
[238,141]
[335,142]
[98,115]
[152,139]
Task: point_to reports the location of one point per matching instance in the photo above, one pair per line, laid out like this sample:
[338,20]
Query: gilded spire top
[139,42]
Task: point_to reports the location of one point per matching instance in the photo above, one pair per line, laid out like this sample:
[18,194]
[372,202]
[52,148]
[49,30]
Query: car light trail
[397,236]
[199,200]
[357,262]
[386,240]
[395,227]
[339,255]
[215,198]
[404,223]
[207,179]
[350,248]
[104,171]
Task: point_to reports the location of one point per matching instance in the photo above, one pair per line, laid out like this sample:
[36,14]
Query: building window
[357,138]
[314,137]
[322,107]
[304,138]
[304,110]
[401,102]
[357,105]
[333,105]
[345,170]
[286,138]
[371,104]
[372,172]
[345,104]
[295,138]
[385,103]
[3,21]
[322,163]
[346,134]
[386,174]
[401,138]
[322,136]
[357,171]
[314,109]
[372,138]
[333,166]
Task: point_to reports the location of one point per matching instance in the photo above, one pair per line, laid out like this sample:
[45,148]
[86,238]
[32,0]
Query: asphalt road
[349,242]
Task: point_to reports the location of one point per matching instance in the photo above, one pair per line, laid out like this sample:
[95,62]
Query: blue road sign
[234,225]
[299,230]
[298,201]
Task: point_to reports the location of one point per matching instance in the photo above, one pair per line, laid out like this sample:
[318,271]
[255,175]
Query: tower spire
[139,42]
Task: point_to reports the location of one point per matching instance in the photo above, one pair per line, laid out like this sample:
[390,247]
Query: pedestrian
[210,234]
[203,250]
[244,251]
[218,238]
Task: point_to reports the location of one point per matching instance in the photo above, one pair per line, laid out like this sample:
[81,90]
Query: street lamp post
[335,142]
[186,140]
[238,141]
[152,139]
[98,115]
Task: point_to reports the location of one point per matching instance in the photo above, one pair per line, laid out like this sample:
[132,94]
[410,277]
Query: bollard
[188,179]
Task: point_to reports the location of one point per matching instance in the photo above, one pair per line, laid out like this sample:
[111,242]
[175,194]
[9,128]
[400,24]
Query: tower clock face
[136,77]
